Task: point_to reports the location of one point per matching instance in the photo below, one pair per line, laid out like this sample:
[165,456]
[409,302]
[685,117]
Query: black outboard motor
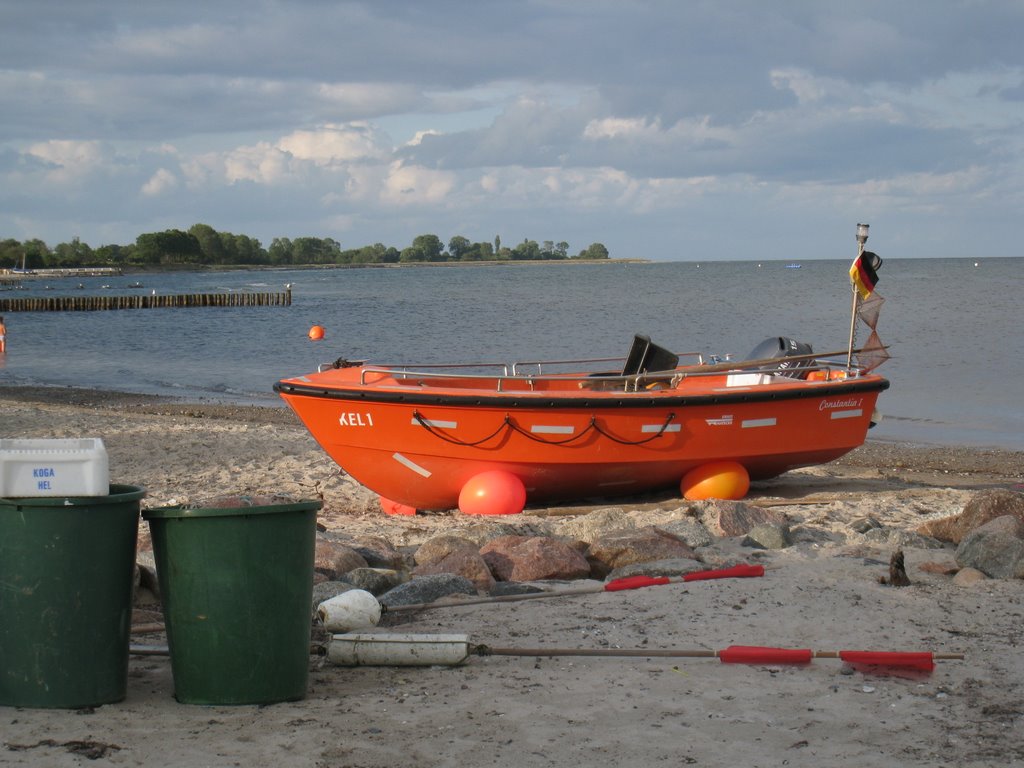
[781,348]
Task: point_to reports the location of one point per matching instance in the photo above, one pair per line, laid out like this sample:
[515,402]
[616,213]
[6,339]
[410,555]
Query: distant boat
[793,266]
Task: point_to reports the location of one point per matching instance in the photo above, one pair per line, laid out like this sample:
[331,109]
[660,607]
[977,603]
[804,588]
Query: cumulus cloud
[161,181]
[313,116]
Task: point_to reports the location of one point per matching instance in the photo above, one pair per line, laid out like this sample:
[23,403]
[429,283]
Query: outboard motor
[781,348]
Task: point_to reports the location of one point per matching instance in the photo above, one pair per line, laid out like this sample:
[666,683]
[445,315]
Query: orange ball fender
[493,493]
[395,508]
[716,480]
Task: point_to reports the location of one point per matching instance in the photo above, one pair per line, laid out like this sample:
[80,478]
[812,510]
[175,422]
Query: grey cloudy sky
[665,130]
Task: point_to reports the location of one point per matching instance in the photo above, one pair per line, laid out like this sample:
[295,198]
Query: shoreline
[246,436]
[919,455]
[825,590]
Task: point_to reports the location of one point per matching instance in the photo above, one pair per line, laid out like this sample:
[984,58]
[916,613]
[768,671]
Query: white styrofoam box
[64,467]
[747,379]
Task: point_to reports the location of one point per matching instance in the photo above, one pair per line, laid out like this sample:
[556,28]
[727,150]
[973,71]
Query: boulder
[376,581]
[333,558]
[736,518]
[995,548]
[427,589]
[464,561]
[982,507]
[643,545]
[379,553]
[768,536]
[439,547]
[533,558]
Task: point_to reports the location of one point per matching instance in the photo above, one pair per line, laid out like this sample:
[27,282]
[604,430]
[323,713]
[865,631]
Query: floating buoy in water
[394,508]
[493,493]
[316,333]
[716,480]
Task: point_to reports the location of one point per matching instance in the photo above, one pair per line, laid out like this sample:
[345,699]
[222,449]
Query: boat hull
[419,446]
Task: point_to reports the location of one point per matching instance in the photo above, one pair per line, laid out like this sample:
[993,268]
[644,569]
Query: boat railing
[508,376]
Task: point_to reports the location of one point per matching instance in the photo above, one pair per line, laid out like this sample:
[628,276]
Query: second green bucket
[236,585]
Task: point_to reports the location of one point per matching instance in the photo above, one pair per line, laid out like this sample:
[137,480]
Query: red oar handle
[736,572]
[910,660]
[635,582]
[756,654]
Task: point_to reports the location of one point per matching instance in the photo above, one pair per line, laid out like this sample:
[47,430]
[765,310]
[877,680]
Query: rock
[679,566]
[865,524]
[439,547]
[768,536]
[334,558]
[968,576]
[533,558]
[939,568]
[145,562]
[466,562]
[644,545]
[597,523]
[980,508]
[379,553]
[996,548]
[325,590]
[376,581]
[507,588]
[901,539]
[427,589]
[735,518]
[689,530]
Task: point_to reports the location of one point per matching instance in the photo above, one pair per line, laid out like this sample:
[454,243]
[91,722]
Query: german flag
[864,273]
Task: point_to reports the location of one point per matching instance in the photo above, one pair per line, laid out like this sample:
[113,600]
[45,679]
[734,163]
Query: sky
[663,129]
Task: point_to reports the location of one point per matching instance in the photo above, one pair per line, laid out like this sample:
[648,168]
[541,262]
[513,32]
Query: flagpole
[862,238]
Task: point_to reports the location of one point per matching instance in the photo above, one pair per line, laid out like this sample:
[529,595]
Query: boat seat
[646,357]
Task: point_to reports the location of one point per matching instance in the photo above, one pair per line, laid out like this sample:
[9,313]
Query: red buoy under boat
[716,480]
[394,508]
[493,493]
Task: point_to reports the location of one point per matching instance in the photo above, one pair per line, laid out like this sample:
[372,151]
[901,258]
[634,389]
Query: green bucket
[66,573]
[236,585]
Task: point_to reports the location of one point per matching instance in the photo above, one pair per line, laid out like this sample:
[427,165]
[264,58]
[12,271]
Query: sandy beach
[824,592]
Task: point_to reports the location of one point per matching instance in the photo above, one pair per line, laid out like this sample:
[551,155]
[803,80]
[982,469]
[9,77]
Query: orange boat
[417,434]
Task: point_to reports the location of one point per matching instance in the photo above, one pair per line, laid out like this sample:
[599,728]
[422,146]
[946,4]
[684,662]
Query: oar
[383,649]
[741,571]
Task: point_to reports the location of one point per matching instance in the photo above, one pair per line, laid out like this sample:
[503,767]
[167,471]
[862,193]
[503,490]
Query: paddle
[399,649]
[616,585]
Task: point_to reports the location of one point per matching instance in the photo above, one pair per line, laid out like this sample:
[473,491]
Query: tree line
[202,245]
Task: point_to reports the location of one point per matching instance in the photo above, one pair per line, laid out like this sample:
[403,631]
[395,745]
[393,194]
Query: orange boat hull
[418,442]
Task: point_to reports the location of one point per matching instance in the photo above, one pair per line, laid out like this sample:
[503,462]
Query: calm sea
[957,367]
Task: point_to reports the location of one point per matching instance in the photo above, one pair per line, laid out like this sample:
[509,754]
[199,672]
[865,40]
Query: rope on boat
[507,422]
[450,439]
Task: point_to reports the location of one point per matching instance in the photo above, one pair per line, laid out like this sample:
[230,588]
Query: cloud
[384,118]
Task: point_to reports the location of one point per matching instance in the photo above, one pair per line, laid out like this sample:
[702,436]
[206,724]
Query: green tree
[528,250]
[70,255]
[171,246]
[211,246]
[594,251]
[280,251]
[430,246]
[458,247]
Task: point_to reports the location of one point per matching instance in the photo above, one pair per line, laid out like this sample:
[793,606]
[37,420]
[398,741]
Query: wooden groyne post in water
[91,303]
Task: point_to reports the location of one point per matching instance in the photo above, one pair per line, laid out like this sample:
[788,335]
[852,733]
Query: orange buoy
[316,333]
[716,480]
[394,508]
[493,493]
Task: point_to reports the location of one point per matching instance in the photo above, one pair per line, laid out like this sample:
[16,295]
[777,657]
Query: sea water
[956,371]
